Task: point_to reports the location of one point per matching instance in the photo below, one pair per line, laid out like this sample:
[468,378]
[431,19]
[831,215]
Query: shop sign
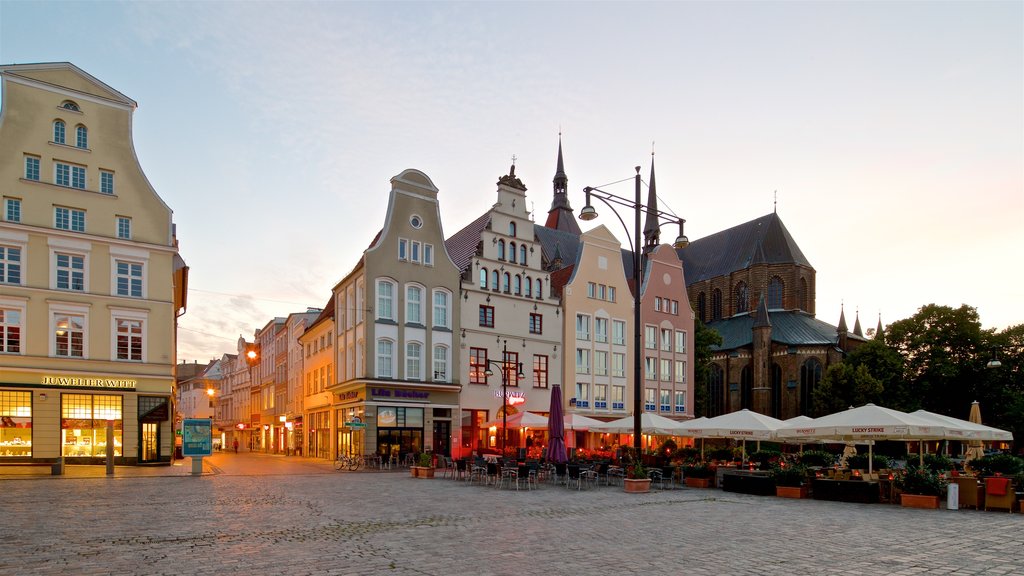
[350,395]
[196,437]
[77,382]
[513,397]
[399,393]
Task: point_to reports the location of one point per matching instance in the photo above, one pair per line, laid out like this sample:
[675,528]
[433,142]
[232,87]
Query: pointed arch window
[716,304]
[483,277]
[517,285]
[702,305]
[810,376]
[501,249]
[775,288]
[529,287]
[742,298]
[494,279]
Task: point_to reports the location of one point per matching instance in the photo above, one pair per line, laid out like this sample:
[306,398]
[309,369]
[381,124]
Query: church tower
[652,230]
[560,216]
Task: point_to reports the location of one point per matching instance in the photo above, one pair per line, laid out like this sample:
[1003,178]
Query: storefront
[394,421]
[45,418]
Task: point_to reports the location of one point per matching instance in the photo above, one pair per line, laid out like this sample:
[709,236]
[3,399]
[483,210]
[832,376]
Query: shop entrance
[149,444]
[442,437]
[397,442]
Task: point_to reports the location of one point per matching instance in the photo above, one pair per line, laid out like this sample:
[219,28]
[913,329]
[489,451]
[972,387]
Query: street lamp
[588,213]
[504,367]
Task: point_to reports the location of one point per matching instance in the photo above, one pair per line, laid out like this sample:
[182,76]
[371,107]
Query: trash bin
[953,496]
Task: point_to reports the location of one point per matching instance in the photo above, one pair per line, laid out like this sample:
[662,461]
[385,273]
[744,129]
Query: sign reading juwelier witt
[196,437]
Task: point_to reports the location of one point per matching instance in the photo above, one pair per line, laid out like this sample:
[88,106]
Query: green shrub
[938,462]
[1005,464]
[724,454]
[921,481]
[765,459]
[698,470]
[793,475]
[817,458]
[426,460]
[860,462]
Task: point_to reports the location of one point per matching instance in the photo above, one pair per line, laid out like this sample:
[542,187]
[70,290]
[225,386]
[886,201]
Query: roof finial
[775,202]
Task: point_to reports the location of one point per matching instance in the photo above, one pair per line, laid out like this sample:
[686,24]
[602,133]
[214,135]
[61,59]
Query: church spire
[560,215]
[856,326]
[652,230]
[879,331]
[842,329]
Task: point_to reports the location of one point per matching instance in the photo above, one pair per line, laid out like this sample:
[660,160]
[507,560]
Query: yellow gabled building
[91,283]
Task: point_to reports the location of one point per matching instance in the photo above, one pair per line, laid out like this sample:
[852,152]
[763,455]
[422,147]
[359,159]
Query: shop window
[84,424]
[15,424]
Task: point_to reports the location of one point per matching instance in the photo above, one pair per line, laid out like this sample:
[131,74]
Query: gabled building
[91,282]
[509,316]
[397,385]
[318,356]
[295,373]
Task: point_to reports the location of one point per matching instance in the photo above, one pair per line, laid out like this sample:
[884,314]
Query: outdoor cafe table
[863,491]
[755,482]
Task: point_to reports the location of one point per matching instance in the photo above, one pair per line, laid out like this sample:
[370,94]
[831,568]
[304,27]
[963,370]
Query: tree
[885,365]
[703,339]
[845,385]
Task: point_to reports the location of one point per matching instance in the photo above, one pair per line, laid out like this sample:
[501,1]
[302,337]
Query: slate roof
[462,245]
[763,240]
[567,244]
[790,327]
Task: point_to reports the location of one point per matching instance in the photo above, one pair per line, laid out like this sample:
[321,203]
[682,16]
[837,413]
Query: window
[512,367]
[10,265]
[124,227]
[501,249]
[665,370]
[81,136]
[12,209]
[681,371]
[416,222]
[63,175]
[428,254]
[505,283]
[651,337]
[601,330]
[129,339]
[602,292]
[540,371]
[517,285]
[415,255]
[680,342]
[69,105]
[618,332]
[385,352]
[32,168]
[582,327]
[618,397]
[413,360]
[522,254]
[478,366]
[650,395]
[16,428]
[129,279]
[84,424]
[403,249]
[539,289]
[413,299]
[536,324]
[69,219]
[494,280]
[529,287]
[810,378]
[666,340]
[716,304]
[70,272]
[106,182]
[441,309]
[675,307]
[600,363]
[618,364]
[582,361]
[483,278]
[582,395]
[78,177]
[360,301]
[441,363]
[511,251]
[611,293]
[600,397]
[69,335]
[385,297]
[651,368]
[665,400]
[10,330]
[680,401]
[58,131]
[775,288]
[657,304]
[591,289]
[487,316]
[512,229]
[742,298]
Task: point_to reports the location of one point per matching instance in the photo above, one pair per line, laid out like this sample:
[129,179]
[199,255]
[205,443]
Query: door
[443,437]
[149,444]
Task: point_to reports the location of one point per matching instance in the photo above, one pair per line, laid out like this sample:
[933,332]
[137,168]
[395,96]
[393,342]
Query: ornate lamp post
[588,213]
[504,366]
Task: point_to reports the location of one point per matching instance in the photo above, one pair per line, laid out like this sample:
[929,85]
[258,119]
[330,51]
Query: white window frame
[428,254]
[665,370]
[129,278]
[124,227]
[412,305]
[600,335]
[403,249]
[666,339]
[680,341]
[582,361]
[32,167]
[132,315]
[106,182]
[618,368]
[71,271]
[414,360]
[650,337]
[12,209]
[415,252]
[20,306]
[81,137]
[619,336]
[681,371]
[63,132]
[384,370]
[383,301]
[68,309]
[600,363]
[8,245]
[440,362]
[583,327]
[445,309]
[129,255]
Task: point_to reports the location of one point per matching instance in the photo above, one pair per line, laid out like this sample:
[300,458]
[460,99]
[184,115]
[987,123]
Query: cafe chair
[999,493]
[970,492]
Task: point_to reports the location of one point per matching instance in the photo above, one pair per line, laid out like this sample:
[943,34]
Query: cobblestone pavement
[302,517]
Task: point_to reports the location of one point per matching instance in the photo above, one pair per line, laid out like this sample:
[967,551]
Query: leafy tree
[845,385]
[886,366]
[703,339]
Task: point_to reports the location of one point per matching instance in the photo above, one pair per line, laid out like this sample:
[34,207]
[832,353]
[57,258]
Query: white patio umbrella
[692,429]
[957,429]
[522,420]
[650,423]
[579,422]
[868,422]
[741,425]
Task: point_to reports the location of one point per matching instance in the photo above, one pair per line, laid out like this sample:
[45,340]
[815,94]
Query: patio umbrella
[522,420]
[650,423]
[740,425]
[957,429]
[573,421]
[556,447]
[692,429]
[868,422]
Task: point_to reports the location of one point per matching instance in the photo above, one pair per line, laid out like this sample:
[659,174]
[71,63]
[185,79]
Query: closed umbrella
[556,447]
[976,449]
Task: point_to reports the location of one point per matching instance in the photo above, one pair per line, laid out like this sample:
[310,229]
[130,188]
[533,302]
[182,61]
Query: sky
[891,134]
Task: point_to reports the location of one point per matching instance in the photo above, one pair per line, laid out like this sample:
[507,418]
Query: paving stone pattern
[317,521]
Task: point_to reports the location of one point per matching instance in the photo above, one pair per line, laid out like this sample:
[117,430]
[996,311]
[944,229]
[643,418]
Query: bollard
[953,496]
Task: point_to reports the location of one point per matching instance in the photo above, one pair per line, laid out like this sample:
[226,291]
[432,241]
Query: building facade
[91,283]
[316,344]
[399,391]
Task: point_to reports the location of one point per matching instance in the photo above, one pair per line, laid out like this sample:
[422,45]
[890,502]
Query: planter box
[422,471]
[637,486]
[919,501]
[697,482]
[791,491]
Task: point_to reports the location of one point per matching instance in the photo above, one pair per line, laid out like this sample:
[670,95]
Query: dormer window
[69,105]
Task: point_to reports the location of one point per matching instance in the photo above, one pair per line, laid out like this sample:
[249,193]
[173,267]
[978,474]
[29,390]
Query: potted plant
[790,481]
[817,458]
[698,474]
[920,488]
[426,466]
[636,481]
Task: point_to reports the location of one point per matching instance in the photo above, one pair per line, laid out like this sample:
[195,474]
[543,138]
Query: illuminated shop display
[15,424]
[84,424]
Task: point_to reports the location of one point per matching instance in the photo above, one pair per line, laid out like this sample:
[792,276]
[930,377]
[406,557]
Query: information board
[196,437]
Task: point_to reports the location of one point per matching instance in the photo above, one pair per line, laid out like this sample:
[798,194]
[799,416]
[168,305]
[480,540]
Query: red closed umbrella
[556,428]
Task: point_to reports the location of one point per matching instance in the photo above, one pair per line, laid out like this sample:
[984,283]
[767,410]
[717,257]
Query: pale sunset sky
[893,132]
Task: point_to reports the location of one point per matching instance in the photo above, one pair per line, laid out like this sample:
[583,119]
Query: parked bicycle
[346,461]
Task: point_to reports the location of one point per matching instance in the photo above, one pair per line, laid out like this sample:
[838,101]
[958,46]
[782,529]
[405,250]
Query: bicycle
[345,461]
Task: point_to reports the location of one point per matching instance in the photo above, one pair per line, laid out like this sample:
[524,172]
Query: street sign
[197,437]
[355,425]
